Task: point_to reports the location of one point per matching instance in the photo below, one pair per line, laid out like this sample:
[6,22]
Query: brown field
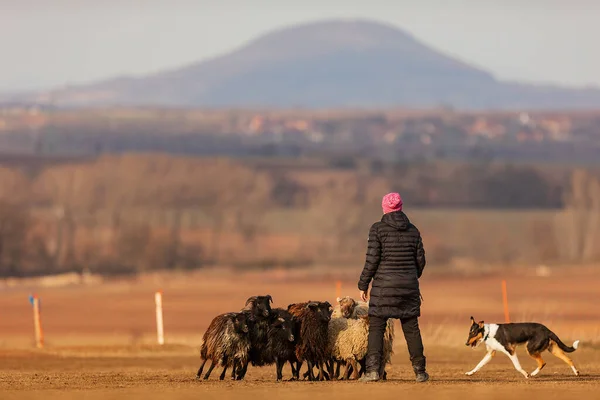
[100,338]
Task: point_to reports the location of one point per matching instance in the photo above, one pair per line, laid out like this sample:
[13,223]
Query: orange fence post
[338,289]
[505,301]
[37,324]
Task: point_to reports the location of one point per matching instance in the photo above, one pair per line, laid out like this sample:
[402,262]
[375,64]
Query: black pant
[412,334]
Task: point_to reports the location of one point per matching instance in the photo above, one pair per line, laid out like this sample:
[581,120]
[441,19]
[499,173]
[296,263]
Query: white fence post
[159,318]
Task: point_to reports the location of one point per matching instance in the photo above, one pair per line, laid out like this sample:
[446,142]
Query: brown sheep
[226,341]
[312,319]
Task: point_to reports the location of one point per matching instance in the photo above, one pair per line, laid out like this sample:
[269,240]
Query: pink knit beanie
[391,202]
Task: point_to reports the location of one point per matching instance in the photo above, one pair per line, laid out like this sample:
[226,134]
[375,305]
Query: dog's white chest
[491,342]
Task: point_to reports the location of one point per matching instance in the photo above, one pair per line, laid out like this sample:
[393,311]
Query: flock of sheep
[312,332]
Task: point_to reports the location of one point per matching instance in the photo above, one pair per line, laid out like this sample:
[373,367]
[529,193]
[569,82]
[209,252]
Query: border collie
[505,338]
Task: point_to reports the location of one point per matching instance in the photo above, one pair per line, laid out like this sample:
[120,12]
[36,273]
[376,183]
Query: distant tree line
[136,213]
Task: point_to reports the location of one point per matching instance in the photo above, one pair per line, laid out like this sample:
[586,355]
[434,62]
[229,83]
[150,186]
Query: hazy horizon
[66,42]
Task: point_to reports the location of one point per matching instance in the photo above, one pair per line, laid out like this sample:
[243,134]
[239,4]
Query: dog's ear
[472,320]
[480,324]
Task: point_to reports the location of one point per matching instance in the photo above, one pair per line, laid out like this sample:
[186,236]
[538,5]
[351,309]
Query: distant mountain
[325,64]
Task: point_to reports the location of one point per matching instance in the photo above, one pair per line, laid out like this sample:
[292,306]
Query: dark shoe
[422,377]
[370,377]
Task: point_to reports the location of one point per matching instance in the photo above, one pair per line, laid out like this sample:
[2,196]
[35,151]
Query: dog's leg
[486,359]
[540,363]
[515,360]
[555,350]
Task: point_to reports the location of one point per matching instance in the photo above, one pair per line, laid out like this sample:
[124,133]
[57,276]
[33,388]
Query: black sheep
[281,341]
[257,310]
[313,322]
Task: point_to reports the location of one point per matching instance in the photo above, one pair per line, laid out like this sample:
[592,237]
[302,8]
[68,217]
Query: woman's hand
[363,296]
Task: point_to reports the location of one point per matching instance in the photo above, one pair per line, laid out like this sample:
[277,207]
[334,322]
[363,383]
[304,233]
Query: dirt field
[100,339]
[169,373]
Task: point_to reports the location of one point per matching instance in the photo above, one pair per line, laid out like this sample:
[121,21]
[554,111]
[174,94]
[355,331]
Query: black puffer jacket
[395,262]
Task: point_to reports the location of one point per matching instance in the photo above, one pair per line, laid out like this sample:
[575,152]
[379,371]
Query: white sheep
[349,308]
[348,342]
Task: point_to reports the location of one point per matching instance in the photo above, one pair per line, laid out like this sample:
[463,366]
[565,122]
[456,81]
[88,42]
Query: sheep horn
[251,300]
[270,298]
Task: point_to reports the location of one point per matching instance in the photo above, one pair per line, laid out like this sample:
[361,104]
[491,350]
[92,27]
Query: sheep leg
[347,371]
[223,373]
[233,369]
[323,376]
[307,373]
[311,375]
[213,364]
[329,363]
[296,370]
[242,372]
[224,364]
[352,362]
[294,373]
[199,373]
[293,367]
[279,365]
[338,365]
[363,367]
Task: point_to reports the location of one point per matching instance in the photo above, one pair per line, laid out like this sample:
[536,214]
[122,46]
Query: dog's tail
[564,347]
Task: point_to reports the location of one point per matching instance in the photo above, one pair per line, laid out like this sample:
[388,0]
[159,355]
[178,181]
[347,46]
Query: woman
[395,262]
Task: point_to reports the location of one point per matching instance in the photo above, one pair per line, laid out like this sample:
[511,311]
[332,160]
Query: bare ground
[153,373]
[99,339]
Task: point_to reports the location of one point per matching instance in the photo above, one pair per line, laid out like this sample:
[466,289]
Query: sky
[50,43]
